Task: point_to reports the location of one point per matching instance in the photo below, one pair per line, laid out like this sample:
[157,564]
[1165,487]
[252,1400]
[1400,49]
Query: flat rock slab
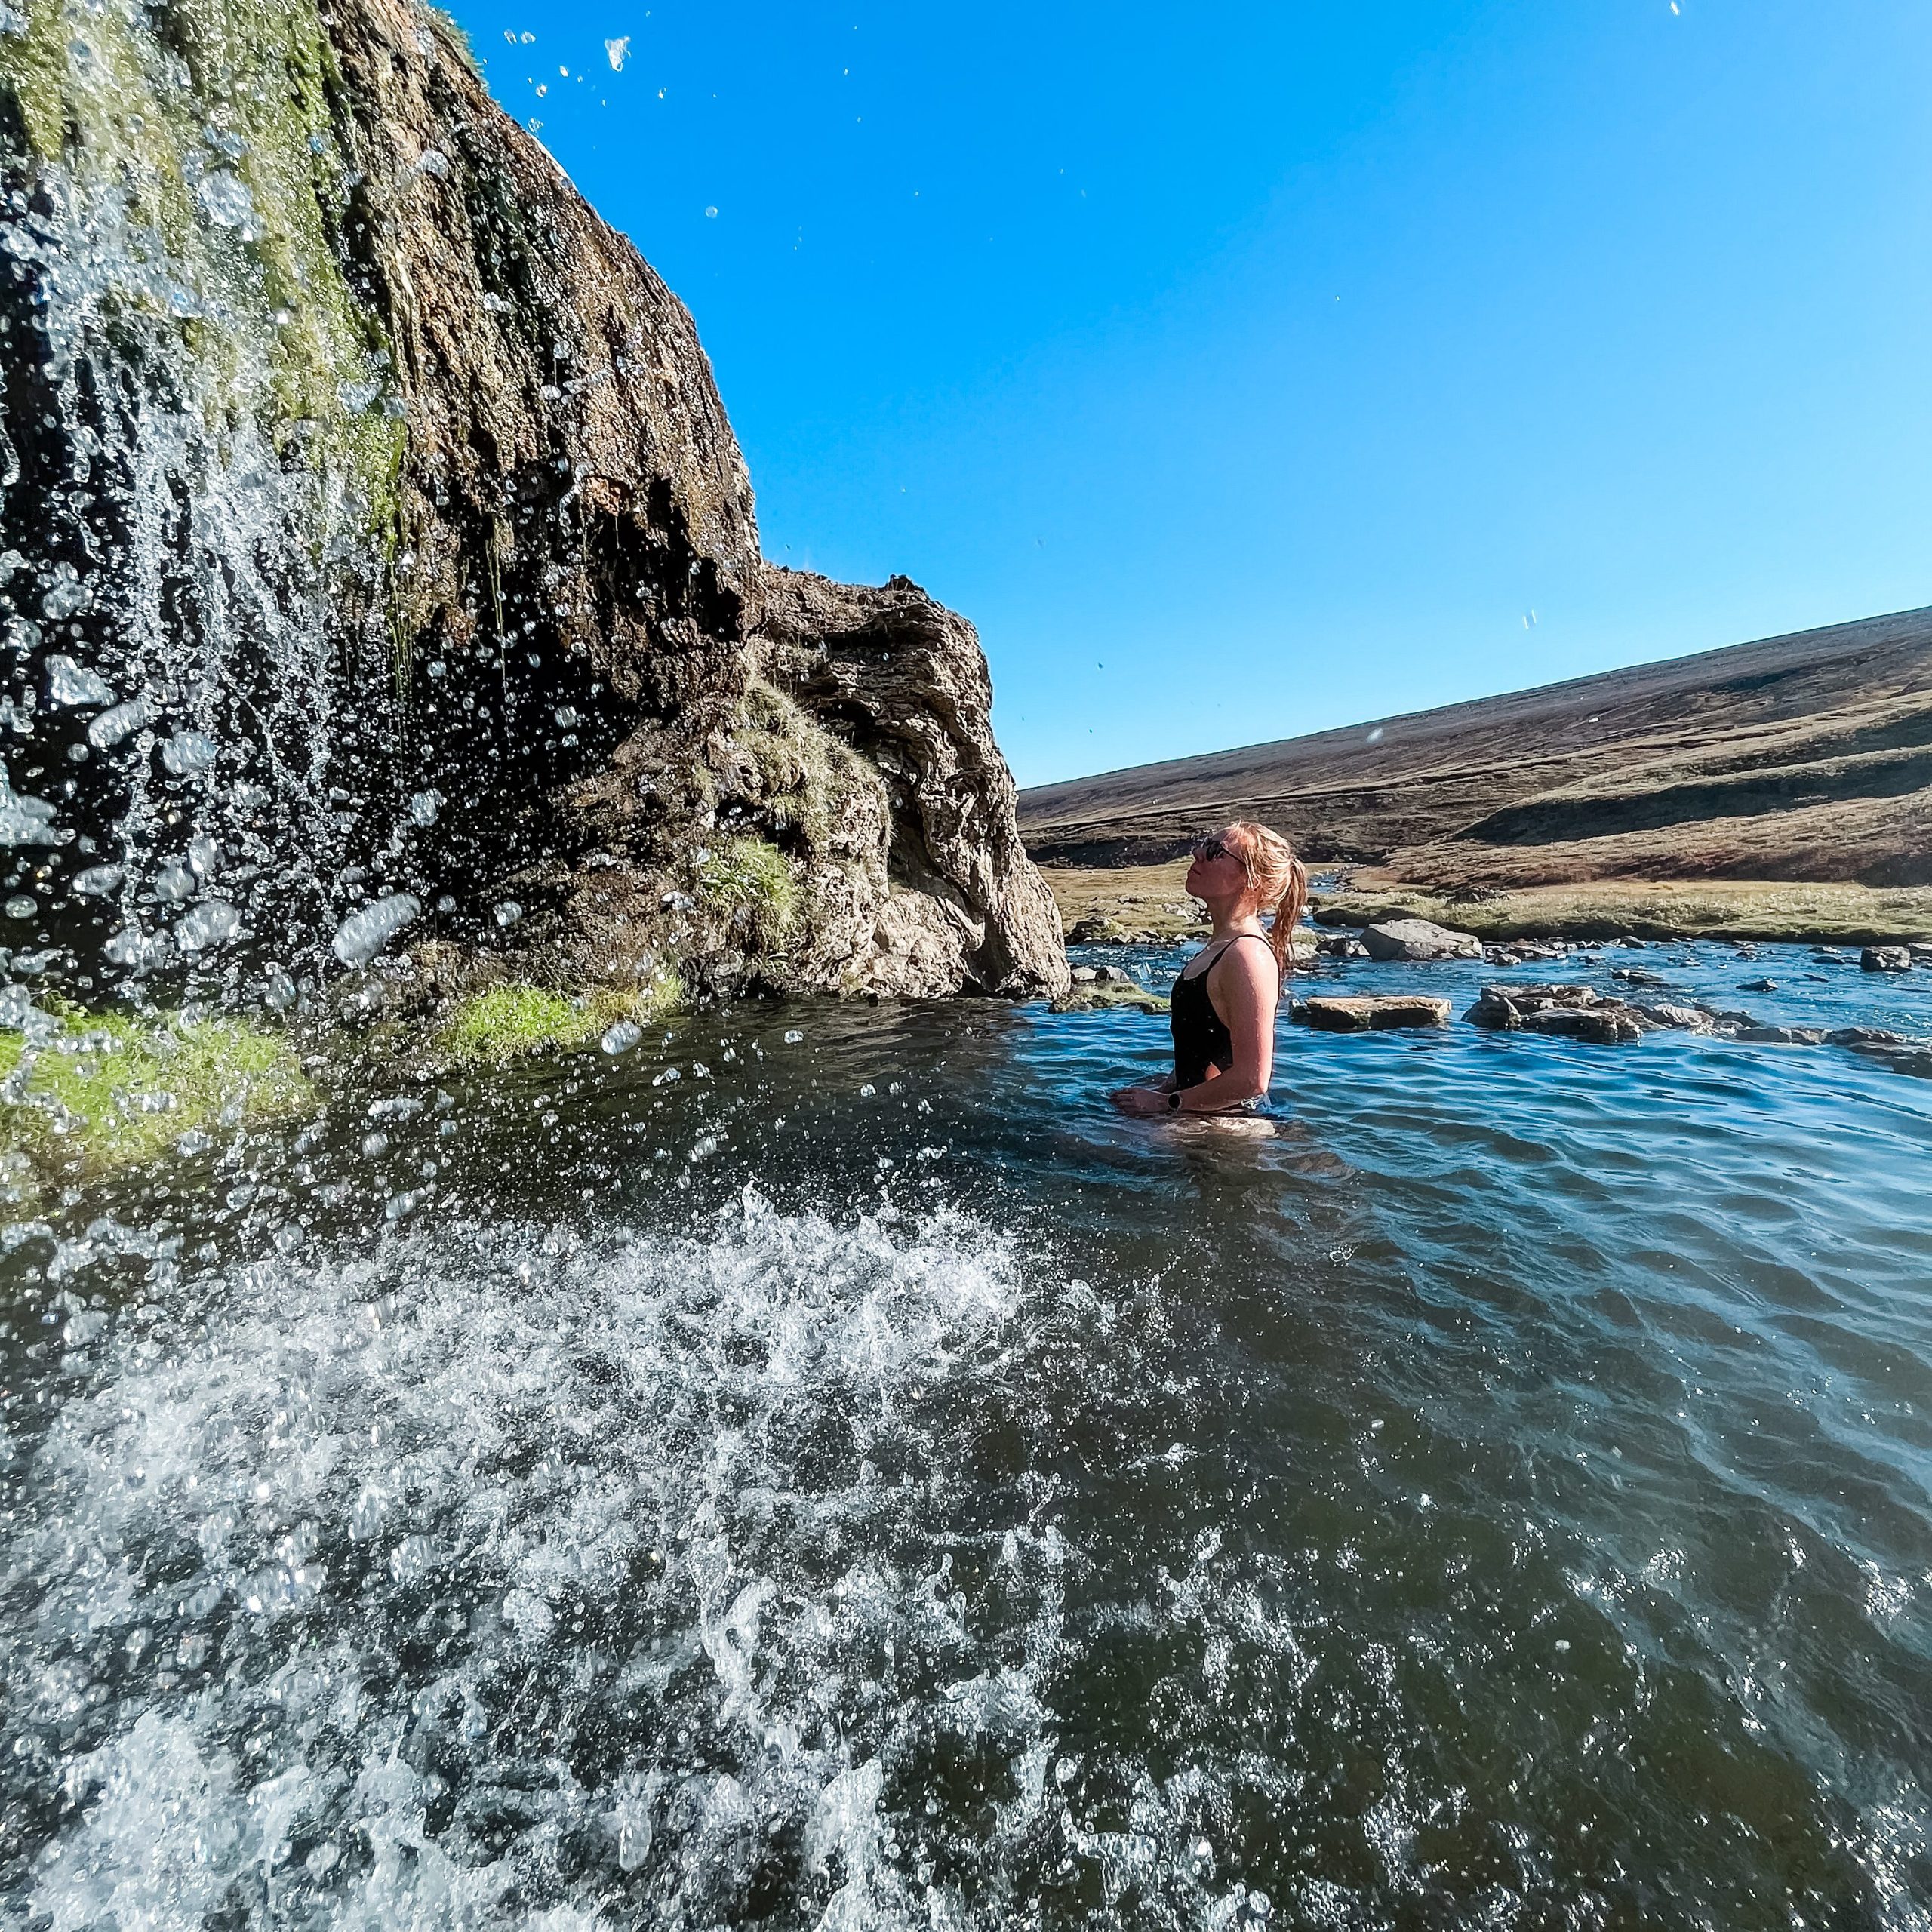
[1371,1014]
[1107,997]
[1419,939]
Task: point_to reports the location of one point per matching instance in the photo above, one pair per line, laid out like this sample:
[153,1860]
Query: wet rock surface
[466,609]
[1332,1013]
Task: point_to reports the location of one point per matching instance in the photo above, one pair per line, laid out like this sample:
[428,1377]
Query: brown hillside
[1803,757]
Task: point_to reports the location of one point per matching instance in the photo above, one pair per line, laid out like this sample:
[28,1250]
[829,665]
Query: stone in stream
[1921,952]
[1757,985]
[1781,1036]
[1373,1013]
[1418,940]
[1520,951]
[1886,959]
[1570,1011]
[1101,929]
[1684,1019]
[1084,976]
[1865,1036]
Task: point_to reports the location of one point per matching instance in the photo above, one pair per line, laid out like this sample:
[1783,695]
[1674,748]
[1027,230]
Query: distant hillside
[1805,757]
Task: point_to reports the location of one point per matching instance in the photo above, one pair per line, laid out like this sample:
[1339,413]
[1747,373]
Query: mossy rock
[1092,997]
[105,1091]
[751,881]
[505,1022]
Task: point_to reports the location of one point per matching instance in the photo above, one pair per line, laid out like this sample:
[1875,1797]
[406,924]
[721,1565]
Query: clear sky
[1242,369]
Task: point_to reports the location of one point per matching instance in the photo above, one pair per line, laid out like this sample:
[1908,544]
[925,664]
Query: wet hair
[1277,878]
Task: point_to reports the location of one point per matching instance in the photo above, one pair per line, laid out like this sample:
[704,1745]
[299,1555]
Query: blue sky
[1245,370]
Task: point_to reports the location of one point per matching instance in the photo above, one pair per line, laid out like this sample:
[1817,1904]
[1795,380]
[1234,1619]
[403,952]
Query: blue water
[864,1481]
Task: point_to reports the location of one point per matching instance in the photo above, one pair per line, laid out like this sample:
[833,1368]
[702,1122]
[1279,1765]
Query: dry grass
[1141,899]
[1148,899]
[1650,909]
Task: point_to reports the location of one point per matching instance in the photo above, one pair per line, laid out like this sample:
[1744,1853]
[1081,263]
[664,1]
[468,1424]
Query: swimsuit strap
[1226,946]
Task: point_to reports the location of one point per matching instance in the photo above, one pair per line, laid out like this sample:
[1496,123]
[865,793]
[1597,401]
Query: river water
[823,1467]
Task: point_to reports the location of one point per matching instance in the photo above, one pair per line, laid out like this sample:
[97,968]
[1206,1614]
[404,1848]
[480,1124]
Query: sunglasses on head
[1211,849]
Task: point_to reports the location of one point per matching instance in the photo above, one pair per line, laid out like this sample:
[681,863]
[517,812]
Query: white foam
[338,1566]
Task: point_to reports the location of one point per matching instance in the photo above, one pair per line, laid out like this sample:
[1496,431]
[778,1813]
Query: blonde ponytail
[1279,879]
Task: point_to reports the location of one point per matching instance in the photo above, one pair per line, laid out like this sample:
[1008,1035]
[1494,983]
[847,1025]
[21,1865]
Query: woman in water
[1222,1008]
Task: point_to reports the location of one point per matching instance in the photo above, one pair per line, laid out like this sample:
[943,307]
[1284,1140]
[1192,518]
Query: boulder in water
[1418,940]
[1331,1014]
[1886,959]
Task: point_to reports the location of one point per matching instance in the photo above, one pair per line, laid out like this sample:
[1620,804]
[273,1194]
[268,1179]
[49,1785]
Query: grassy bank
[1142,901]
[1147,900]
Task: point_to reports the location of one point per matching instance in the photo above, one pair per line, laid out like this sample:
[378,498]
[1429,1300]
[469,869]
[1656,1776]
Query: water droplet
[364,934]
[213,923]
[225,196]
[22,905]
[508,912]
[423,807]
[188,752]
[97,882]
[620,1036]
[110,727]
[618,51]
[793,1036]
[69,683]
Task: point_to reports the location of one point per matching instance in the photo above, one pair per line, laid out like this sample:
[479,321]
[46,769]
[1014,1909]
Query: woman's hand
[1141,1100]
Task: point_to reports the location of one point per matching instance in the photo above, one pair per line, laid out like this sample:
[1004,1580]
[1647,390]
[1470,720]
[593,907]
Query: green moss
[814,783]
[751,881]
[113,1090]
[505,1022]
[139,114]
[458,36]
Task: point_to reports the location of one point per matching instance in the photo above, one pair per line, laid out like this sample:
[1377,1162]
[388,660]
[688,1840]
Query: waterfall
[199,441]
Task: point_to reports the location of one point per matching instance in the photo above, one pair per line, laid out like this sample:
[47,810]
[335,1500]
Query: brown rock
[545,612]
[1332,1014]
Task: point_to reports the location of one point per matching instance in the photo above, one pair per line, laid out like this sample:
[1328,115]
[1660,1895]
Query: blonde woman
[1222,1007]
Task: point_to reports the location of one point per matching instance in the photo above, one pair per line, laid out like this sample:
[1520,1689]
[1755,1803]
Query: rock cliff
[378,541]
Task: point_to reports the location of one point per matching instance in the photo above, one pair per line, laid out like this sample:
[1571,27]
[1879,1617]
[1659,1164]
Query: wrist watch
[1174,1101]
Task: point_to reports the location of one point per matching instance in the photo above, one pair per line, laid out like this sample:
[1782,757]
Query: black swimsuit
[1202,1040]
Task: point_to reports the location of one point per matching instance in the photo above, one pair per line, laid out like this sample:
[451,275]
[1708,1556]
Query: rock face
[1371,1013]
[1419,939]
[418,560]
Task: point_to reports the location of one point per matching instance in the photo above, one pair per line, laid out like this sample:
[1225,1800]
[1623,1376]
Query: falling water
[198,437]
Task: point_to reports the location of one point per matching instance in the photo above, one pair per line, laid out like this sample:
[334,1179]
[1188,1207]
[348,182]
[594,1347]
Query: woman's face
[1216,873]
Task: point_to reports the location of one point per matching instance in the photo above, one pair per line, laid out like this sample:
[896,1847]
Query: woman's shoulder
[1256,962]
